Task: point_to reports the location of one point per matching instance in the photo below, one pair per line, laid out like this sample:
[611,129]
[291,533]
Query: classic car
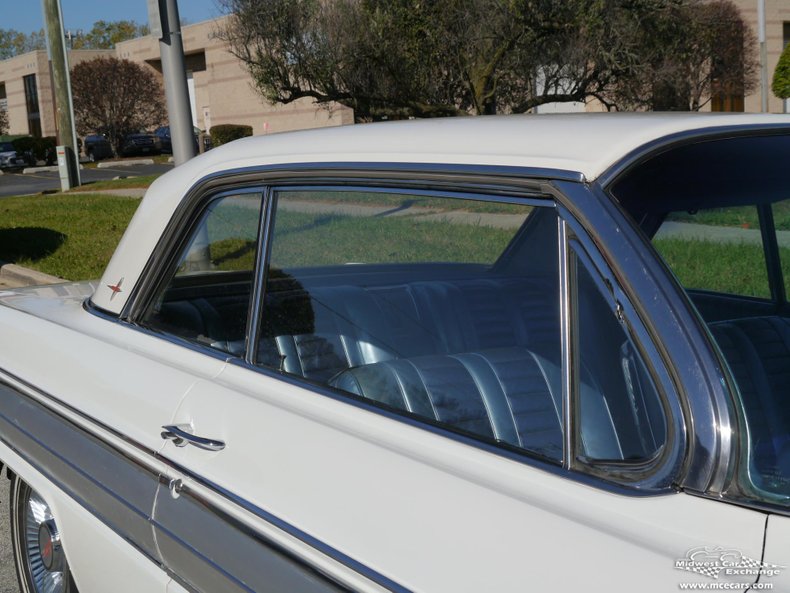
[518,353]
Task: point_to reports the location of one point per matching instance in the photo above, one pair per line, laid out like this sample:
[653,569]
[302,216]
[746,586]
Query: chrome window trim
[180,243]
[702,395]
[567,315]
[663,465]
[485,179]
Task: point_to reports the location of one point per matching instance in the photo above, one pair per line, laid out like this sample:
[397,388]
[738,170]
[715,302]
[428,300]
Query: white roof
[585,143]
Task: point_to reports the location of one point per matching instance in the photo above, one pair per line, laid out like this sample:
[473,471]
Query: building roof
[586,145]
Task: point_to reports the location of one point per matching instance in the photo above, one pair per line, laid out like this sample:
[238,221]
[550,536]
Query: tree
[14,43]
[781,81]
[691,53]
[402,58]
[105,34]
[115,97]
[3,121]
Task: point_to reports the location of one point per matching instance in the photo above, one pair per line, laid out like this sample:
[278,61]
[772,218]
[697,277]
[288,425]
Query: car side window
[206,298]
[618,406]
[438,308]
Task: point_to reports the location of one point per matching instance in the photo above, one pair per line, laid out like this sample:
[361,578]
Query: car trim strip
[53,471]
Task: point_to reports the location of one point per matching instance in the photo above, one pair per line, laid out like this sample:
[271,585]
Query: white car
[526,353]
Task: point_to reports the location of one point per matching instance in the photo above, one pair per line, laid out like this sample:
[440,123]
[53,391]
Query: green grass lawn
[742,216]
[71,236]
[312,239]
[141,181]
[401,201]
[722,267]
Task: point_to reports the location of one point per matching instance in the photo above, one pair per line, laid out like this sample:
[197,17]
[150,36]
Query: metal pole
[763,56]
[67,134]
[179,110]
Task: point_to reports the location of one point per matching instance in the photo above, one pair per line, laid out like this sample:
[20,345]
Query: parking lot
[15,183]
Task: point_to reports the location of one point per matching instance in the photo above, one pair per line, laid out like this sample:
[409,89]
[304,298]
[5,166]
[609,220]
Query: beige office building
[220,89]
[777,36]
[26,91]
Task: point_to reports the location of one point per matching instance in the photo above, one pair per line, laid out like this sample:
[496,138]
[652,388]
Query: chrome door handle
[181,438]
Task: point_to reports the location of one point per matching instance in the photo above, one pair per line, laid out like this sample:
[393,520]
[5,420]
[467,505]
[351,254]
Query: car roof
[583,146]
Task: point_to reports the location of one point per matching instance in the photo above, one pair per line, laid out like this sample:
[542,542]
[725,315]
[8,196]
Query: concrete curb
[26,276]
[110,165]
[47,169]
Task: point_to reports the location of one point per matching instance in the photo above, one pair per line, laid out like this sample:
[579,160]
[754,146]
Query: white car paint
[490,523]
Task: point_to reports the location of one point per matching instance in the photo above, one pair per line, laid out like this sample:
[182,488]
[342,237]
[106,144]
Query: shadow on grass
[29,243]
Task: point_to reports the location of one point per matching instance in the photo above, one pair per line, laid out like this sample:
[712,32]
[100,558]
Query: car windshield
[6,147]
[719,214]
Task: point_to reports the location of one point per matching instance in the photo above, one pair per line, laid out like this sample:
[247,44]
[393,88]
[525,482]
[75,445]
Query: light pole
[763,56]
[165,25]
[67,134]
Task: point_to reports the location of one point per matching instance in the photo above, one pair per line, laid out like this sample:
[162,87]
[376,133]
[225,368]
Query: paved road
[8,582]
[17,184]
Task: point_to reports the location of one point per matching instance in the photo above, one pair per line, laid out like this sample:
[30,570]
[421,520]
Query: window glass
[717,249]
[207,298]
[621,417]
[439,308]
[781,216]
[378,227]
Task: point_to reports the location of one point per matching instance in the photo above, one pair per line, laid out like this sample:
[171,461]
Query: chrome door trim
[157,470]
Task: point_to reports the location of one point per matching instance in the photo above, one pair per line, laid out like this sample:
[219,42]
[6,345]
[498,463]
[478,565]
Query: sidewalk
[14,276]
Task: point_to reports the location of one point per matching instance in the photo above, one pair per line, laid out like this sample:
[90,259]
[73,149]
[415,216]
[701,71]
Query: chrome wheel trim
[32,518]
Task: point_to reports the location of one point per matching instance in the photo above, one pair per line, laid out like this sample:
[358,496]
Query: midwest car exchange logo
[714,562]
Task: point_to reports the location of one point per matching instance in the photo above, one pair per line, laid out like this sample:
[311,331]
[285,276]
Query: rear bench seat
[757,350]
[347,326]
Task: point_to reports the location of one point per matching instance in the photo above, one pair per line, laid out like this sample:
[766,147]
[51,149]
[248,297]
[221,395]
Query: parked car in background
[506,354]
[139,144]
[9,157]
[97,147]
[163,133]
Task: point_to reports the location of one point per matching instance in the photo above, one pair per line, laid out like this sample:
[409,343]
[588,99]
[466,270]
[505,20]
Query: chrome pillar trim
[568,351]
[675,334]
[260,274]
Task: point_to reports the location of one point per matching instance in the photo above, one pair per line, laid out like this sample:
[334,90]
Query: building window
[31,101]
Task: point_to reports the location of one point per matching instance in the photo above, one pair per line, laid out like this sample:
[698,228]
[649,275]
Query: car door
[449,398]
[85,431]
